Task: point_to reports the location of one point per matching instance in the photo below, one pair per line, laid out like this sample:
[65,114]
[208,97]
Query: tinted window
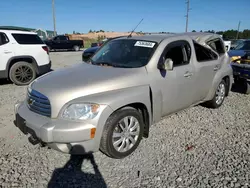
[27,39]
[204,54]
[125,53]
[217,46]
[3,39]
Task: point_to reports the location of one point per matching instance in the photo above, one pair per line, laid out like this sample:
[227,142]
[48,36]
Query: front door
[5,51]
[184,77]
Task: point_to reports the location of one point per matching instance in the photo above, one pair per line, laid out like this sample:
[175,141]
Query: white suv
[23,56]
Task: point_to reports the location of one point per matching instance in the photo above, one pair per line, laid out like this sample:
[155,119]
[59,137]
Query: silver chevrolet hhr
[109,102]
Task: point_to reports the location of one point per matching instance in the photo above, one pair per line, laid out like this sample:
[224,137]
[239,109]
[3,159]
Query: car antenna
[134,28]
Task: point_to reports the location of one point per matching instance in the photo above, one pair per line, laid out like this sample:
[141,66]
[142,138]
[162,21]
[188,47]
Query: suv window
[27,38]
[217,46]
[179,52]
[3,39]
[204,54]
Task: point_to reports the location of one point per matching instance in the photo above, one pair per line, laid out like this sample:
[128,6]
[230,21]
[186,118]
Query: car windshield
[126,53]
[243,46]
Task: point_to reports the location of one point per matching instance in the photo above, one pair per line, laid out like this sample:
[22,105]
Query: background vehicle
[23,56]
[235,43]
[60,42]
[240,50]
[109,102]
[94,44]
[241,71]
[86,54]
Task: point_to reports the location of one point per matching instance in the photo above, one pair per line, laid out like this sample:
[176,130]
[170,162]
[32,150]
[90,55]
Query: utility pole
[238,30]
[188,9]
[54,16]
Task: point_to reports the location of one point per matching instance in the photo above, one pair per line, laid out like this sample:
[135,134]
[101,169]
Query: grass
[87,42]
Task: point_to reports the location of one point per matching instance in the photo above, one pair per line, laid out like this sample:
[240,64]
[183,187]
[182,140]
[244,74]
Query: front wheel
[122,133]
[219,96]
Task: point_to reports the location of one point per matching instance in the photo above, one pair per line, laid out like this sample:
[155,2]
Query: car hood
[92,49]
[232,53]
[64,85]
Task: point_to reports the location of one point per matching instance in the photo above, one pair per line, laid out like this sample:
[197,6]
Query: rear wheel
[76,48]
[122,133]
[22,73]
[219,96]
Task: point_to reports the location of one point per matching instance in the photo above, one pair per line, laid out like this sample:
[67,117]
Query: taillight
[46,49]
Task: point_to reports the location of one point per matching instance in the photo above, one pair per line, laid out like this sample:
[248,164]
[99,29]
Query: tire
[19,67]
[214,103]
[246,87]
[76,48]
[242,85]
[111,126]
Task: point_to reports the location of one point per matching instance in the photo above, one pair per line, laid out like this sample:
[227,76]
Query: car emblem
[30,101]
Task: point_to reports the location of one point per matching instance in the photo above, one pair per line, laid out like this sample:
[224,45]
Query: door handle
[216,68]
[188,74]
[7,52]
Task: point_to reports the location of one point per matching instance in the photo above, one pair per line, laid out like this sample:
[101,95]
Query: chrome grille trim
[38,103]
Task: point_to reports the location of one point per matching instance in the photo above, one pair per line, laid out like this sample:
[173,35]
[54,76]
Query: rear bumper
[62,135]
[44,68]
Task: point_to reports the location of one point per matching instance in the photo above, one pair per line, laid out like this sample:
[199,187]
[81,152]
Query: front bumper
[62,135]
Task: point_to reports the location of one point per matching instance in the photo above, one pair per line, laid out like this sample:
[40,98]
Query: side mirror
[167,65]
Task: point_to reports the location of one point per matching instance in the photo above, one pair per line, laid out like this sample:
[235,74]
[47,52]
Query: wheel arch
[227,80]
[15,59]
[142,109]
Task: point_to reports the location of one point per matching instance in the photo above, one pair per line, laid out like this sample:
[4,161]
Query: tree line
[231,34]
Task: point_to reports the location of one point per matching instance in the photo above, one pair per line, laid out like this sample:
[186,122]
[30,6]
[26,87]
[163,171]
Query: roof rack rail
[15,29]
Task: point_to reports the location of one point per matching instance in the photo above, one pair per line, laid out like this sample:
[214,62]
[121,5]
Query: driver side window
[179,52]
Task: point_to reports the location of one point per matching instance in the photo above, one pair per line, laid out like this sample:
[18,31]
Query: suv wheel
[122,133]
[76,48]
[219,96]
[22,73]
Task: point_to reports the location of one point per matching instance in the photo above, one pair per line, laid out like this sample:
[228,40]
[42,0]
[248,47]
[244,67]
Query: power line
[54,16]
[188,9]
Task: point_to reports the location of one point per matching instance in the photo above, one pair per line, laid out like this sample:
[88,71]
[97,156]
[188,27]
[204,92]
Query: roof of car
[17,31]
[159,37]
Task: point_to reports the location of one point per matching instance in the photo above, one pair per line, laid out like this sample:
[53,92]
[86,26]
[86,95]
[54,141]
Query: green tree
[193,31]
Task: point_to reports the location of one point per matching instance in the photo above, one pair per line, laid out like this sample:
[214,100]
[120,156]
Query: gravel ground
[198,147]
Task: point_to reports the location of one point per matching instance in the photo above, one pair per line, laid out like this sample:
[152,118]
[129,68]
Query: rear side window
[27,39]
[204,54]
[217,46]
[3,39]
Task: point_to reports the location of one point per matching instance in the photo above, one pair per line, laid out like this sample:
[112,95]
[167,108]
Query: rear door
[207,65]
[6,52]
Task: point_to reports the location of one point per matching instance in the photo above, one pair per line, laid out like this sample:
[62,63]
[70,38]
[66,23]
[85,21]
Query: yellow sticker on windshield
[145,44]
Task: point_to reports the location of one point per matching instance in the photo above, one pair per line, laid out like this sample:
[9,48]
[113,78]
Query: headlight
[81,111]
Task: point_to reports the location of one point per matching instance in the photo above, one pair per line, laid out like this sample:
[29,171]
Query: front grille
[39,103]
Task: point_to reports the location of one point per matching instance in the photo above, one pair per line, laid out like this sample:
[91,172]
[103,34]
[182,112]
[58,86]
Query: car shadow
[5,82]
[71,175]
